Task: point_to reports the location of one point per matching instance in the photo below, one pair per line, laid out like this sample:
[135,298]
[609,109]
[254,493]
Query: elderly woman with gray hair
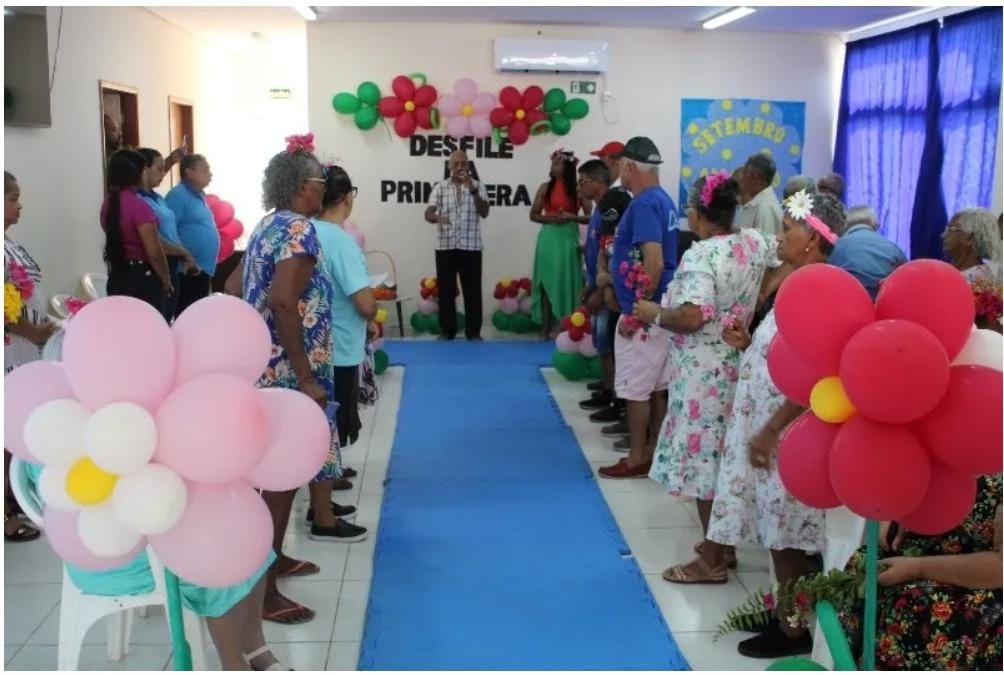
[285,278]
[972,243]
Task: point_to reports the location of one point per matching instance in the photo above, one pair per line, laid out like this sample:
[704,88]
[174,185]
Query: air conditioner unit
[550,56]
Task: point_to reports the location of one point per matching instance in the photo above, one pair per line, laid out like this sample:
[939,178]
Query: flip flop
[680,574]
[22,534]
[303,568]
[261,651]
[282,616]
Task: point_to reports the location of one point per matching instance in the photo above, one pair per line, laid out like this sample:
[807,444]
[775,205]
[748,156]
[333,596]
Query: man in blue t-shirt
[196,227]
[645,241]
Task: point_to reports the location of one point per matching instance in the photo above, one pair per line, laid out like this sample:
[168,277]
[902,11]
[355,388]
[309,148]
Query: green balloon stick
[871,595]
[182,651]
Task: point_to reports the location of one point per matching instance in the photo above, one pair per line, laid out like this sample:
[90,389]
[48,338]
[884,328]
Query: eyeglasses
[317,180]
[354,191]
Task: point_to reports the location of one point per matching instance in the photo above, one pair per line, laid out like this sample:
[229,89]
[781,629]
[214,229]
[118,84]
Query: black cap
[641,149]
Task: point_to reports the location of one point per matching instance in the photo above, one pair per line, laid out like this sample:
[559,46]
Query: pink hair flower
[297,142]
[711,184]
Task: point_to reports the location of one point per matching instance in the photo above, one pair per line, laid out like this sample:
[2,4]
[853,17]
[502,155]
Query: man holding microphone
[456,207]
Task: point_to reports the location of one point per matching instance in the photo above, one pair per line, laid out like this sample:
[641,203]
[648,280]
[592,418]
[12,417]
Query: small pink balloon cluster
[156,435]
[229,227]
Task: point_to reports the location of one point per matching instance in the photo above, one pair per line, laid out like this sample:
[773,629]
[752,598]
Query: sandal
[686,574]
[261,651]
[288,616]
[302,568]
[729,554]
[23,532]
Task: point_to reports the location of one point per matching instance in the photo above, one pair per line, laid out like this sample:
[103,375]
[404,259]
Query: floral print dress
[722,276]
[751,505]
[923,625]
[283,235]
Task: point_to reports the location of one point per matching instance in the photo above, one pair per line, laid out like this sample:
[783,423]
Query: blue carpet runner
[496,549]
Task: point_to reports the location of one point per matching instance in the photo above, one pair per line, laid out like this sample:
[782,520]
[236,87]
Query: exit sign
[583,87]
[280,93]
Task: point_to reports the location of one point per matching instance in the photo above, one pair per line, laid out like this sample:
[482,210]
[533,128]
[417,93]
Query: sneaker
[598,401]
[349,473]
[774,643]
[621,470]
[607,415]
[341,531]
[595,386]
[622,445]
[346,512]
[615,430]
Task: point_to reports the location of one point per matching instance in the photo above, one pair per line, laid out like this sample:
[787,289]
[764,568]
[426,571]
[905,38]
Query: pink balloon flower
[466,110]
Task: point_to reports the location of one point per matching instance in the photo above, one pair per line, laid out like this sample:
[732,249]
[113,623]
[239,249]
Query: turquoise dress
[136,578]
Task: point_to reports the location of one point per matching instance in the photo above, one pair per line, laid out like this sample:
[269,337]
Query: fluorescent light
[306,11]
[727,17]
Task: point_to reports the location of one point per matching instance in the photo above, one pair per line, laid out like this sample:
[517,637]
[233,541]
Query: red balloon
[226,249]
[234,229]
[426,95]
[879,471]
[894,371]
[964,431]
[403,87]
[587,327]
[390,106]
[949,500]
[519,132]
[566,323]
[792,375]
[933,294]
[501,117]
[818,309]
[499,292]
[223,212]
[576,333]
[212,200]
[425,293]
[512,291]
[534,116]
[803,461]
[525,283]
[510,99]
[405,125]
[532,97]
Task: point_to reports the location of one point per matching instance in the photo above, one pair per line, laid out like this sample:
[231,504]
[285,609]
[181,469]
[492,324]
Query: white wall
[650,71]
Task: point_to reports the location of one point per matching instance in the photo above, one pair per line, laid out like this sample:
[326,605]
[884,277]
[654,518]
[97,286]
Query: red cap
[611,149]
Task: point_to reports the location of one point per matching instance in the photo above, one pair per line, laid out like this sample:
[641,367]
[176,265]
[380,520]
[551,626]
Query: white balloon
[52,489]
[54,431]
[587,348]
[120,437]
[150,500]
[104,534]
[984,348]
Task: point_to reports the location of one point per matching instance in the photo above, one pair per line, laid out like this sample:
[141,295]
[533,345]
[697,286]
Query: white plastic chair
[57,304]
[79,611]
[94,285]
[844,534]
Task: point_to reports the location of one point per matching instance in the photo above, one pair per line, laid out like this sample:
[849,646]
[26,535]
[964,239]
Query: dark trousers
[192,289]
[468,265]
[169,308]
[137,280]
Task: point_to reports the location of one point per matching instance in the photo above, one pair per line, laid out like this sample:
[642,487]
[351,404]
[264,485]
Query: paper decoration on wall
[410,107]
[561,112]
[520,115]
[362,105]
[466,110]
[720,134]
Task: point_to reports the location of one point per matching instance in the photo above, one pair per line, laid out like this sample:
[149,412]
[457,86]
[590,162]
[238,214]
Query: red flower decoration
[303,142]
[519,114]
[410,107]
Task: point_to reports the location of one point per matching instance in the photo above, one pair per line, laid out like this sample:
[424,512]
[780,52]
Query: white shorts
[640,363]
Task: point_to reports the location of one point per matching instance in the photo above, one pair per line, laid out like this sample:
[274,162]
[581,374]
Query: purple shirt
[133,212]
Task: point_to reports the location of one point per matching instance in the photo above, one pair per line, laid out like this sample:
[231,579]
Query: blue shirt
[867,255]
[346,266]
[650,217]
[196,226]
[167,222]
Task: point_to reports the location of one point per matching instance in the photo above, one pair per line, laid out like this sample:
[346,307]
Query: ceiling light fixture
[727,16]
[306,11]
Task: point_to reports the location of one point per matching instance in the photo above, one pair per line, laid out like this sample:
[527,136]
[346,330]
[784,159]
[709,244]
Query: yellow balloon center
[505,283]
[829,401]
[381,315]
[88,484]
[578,320]
[410,106]
[520,114]
[430,283]
[467,111]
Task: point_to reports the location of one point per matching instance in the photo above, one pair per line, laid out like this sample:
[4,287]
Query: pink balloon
[526,305]
[948,502]
[26,388]
[427,306]
[119,349]
[483,103]
[223,212]
[449,105]
[465,89]
[61,531]
[564,343]
[226,248]
[299,441]
[234,229]
[222,539]
[480,125]
[509,305]
[587,348]
[378,344]
[212,429]
[458,126]
[221,334]
[212,200]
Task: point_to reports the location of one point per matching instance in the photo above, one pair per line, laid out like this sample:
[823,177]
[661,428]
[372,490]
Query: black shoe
[346,512]
[622,445]
[349,473]
[615,430]
[343,532]
[595,386]
[607,415]
[773,643]
[600,399]
[476,338]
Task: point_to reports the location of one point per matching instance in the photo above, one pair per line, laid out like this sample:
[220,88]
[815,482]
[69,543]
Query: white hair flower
[799,205]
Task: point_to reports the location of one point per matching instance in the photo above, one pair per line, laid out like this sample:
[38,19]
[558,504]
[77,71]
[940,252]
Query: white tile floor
[659,529]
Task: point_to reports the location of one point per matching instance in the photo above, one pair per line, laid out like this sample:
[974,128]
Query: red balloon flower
[519,113]
[410,107]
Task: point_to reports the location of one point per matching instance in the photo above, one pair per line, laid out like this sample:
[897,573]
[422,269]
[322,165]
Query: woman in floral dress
[751,505]
[715,286]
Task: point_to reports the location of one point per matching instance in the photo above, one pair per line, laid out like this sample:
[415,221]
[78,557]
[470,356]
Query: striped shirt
[456,202]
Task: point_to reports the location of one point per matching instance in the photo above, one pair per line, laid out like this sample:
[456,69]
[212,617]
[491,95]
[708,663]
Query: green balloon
[368,93]
[380,361]
[554,99]
[520,323]
[416,322]
[560,124]
[796,663]
[367,117]
[571,366]
[576,109]
[497,319]
[559,361]
[461,321]
[593,369]
[432,323]
[345,103]
[505,322]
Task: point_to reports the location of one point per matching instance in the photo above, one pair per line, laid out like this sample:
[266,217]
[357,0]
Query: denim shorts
[602,333]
